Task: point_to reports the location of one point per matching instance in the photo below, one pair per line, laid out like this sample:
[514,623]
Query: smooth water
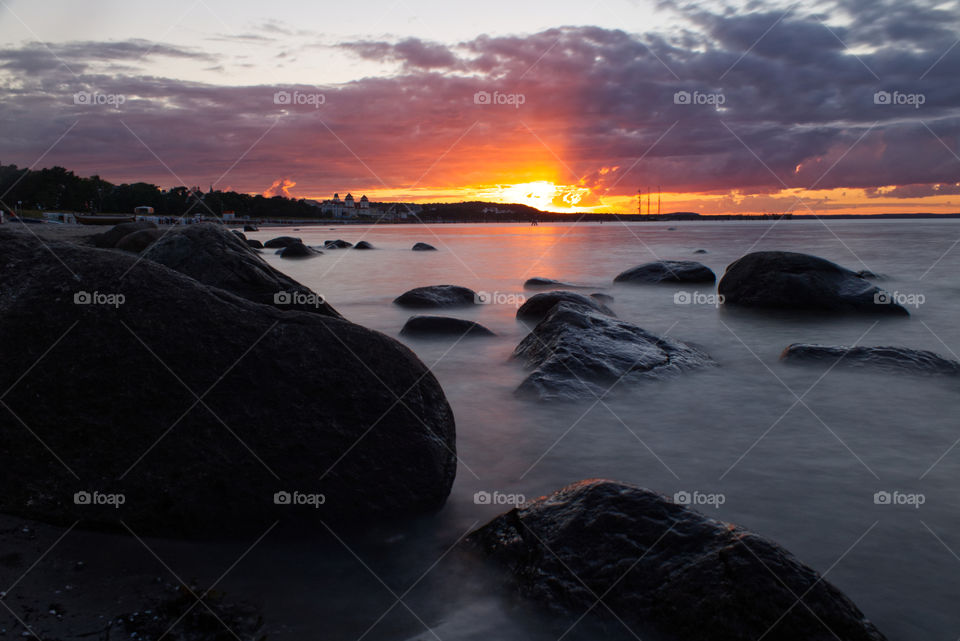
[802,472]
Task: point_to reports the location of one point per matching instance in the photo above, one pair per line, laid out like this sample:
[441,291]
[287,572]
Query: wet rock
[788,280]
[363,245]
[668,271]
[866,273]
[336,244]
[239,234]
[250,228]
[110,238]
[287,401]
[254,244]
[701,251]
[538,306]
[549,283]
[138,241]
[443,326]
[889,359]
[282,241]
[437,296]
[577,352]
[602,298]
[215,257]
[664,569]
[424,247]
[298,250]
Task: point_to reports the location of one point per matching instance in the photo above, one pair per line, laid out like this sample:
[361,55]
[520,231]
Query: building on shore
[349,207]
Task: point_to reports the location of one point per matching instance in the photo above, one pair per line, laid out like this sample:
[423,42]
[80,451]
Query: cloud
[280,187]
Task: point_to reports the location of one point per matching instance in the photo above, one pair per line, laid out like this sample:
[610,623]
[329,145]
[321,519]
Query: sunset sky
[849,106]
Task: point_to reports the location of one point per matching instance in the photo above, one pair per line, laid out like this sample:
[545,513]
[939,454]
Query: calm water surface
[803,473]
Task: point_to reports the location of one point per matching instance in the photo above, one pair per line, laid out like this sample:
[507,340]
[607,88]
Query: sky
[839,106]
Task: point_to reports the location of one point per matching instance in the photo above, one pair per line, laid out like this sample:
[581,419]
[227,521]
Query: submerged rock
[538,306]
[788,280]
[437,296]
[700,251]
[363,245]
[668,271]
[443,326]
[250,228]
[110,238]
[298,250]
[139,240]
[664,569]
[282,241]
[336,244]
[424,247]
[549,283]
[891,359]
[254,244]
[212,415]
[215,257]
[577,352]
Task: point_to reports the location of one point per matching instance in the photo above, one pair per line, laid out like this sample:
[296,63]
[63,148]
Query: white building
[348,207]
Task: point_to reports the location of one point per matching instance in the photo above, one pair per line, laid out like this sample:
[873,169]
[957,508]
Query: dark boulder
[663,570]
[424,247]
[788,280]
[538,306]
[437,296]
[215,257]
[212,415]
[577,352]
[602,298]
[866,273]
[138,241]
[254,244]
[298,250]
[110,238]
[282,241]
[889,359]
[250,228]
[549,283]
[668,271]
[336,244]
[700,251]
[239,234]
[363,245]
[443,326]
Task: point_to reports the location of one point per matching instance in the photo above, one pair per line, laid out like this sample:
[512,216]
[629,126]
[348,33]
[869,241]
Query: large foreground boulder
[437,296]
[888,359]
[210,414]
[576,352]
[788,280]
[664,570]
[668,271]
[537,307]
[214,256]
[139,240]
[425,326]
